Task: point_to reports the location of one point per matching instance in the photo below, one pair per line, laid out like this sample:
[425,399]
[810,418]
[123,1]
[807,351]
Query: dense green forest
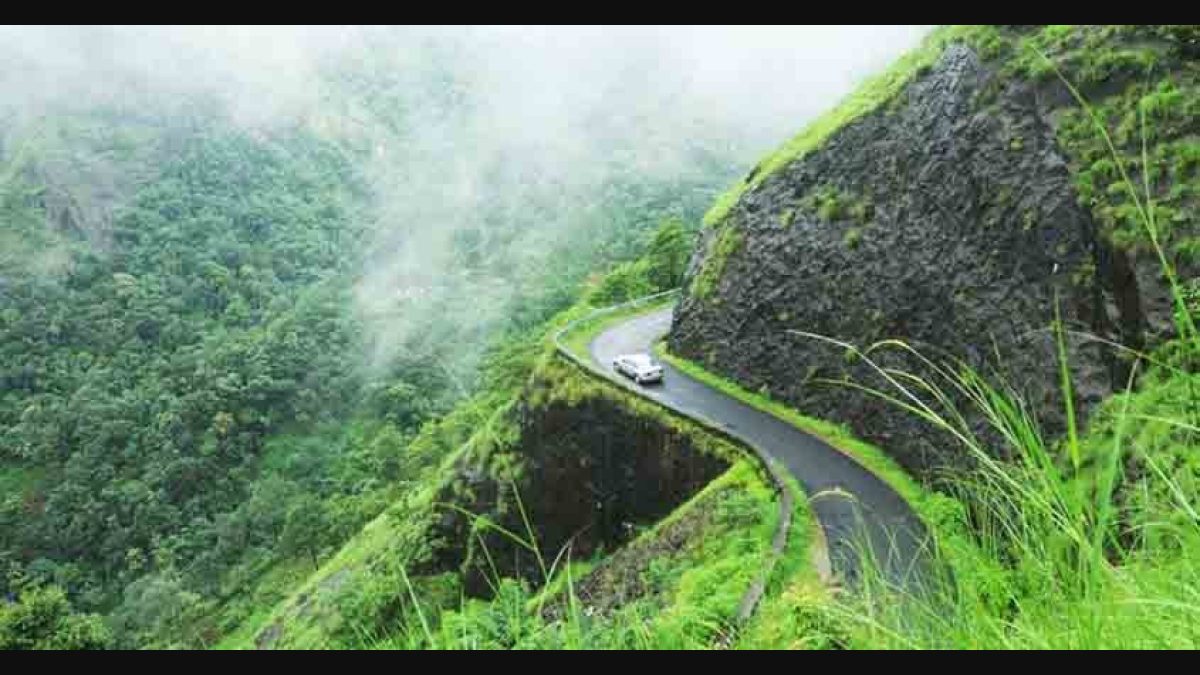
[192,420]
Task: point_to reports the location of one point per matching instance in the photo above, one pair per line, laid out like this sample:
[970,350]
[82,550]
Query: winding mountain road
[852,505]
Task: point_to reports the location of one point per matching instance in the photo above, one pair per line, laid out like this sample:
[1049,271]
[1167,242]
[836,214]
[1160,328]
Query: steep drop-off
[949,216]
[583,473]
[592,466]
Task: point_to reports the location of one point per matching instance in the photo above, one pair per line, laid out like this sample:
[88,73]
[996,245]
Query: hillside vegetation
[201,401]
[293,385]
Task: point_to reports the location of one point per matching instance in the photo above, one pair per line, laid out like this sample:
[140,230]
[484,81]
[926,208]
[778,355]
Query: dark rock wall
[971,233]
[591,472]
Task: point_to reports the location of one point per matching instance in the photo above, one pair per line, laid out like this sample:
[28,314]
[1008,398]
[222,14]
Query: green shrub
[724,244]
[42,618]
[852,238]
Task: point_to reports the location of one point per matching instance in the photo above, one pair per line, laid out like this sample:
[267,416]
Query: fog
[766,80]
[513,134]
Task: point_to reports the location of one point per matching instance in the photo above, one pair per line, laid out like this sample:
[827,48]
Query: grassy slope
[681,581]
[791,615]
[345,588]
[321,612]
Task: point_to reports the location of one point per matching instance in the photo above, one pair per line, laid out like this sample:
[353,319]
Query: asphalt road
[853,506]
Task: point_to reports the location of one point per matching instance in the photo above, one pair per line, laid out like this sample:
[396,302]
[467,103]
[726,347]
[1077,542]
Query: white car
[639,367]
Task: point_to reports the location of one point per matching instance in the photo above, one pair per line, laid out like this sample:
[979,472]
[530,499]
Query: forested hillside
[218,338]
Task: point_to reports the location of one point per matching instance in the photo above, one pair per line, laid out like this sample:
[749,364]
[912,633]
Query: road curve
[852,505]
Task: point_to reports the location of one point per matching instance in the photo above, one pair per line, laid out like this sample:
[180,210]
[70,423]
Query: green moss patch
[724,244]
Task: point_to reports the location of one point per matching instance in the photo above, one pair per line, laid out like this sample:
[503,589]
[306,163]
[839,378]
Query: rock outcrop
[588,472]
[946,218]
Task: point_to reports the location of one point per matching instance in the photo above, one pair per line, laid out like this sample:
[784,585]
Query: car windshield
[640,361]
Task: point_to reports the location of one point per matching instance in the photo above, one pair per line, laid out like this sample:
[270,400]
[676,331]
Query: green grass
[945,516]
[1088,541]
[723,245]
[316,613]
[793,609]
[560,585]
[250,613]
[691,586]
[1048,566]
[710,579]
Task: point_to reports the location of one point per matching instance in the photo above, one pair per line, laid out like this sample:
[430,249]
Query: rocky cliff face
[947,218]
[589,470]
